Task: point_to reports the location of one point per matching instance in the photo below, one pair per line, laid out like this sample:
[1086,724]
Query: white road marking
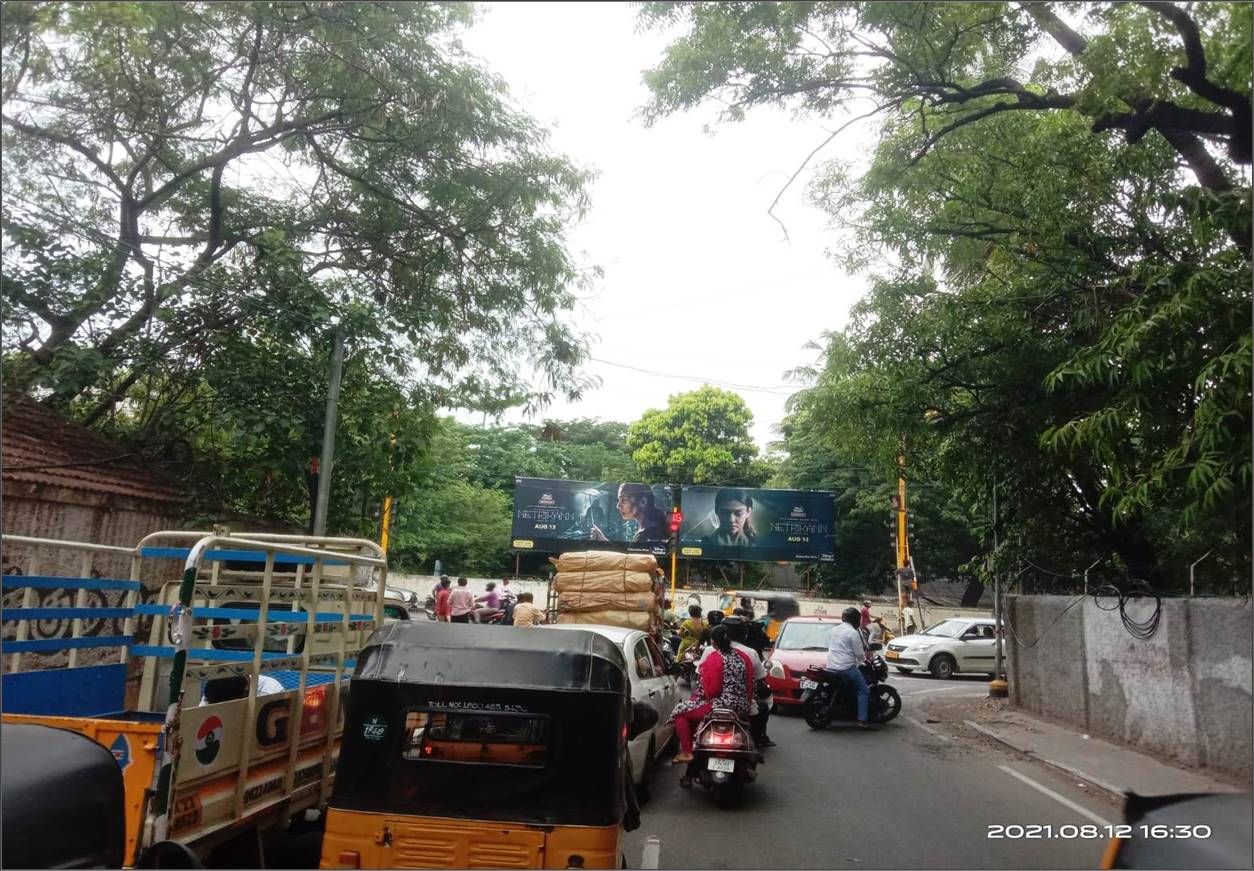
[927,729]
[954,691]
[1062,800]
[652,853]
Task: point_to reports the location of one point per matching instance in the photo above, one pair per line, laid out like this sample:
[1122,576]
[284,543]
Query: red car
[801,644]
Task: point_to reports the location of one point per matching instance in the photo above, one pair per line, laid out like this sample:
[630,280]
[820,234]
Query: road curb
[1114,792]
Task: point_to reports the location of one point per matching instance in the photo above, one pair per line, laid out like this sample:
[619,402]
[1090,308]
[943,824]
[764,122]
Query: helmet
[851,616]
[737,628]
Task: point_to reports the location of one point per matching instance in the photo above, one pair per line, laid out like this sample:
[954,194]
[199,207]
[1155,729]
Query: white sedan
[649,684]
[947,648]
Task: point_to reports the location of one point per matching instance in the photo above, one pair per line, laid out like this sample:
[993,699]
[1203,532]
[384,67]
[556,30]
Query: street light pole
[328,435]
[997,687]
[1194,565]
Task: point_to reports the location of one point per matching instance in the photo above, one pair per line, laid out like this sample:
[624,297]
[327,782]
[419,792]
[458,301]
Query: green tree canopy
[459,506]
[1055,311]
[701,437]
[194,193]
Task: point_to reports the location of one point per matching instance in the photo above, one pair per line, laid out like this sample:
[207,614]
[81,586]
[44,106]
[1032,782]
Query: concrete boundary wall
[1183,694]
[422,584]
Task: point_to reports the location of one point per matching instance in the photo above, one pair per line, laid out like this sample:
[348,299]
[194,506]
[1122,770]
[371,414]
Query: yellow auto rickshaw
[779,607]
[472,746]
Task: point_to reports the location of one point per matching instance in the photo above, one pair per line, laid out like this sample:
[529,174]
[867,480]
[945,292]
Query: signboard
[559,516]
[735,523]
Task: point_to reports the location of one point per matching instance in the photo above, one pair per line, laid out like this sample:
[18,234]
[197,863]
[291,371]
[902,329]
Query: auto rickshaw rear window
[476,738]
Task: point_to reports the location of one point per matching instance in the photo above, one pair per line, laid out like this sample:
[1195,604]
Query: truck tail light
[349,859]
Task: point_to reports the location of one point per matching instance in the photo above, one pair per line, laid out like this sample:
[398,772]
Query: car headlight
[927,645]
[777,670]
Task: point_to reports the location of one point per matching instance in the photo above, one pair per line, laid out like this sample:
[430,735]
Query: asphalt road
[905,796]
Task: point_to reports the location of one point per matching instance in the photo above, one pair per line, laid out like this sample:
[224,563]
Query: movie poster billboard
[735,523]
[559,516]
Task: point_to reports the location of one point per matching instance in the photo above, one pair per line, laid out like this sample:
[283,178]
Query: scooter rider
[845,652]
[760,701]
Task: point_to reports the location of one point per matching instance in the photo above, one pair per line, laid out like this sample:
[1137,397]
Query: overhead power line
[777,389]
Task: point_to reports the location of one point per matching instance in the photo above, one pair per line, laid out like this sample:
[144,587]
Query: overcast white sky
[699,281]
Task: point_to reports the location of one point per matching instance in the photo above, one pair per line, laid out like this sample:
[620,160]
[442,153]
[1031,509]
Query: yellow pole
[903,547]
[674,575]
[386,531]
[387,523]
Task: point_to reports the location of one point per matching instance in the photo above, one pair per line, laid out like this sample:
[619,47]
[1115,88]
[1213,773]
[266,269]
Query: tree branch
[71,143]
[1193,75]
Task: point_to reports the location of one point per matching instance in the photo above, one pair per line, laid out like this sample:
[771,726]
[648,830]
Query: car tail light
[349,859]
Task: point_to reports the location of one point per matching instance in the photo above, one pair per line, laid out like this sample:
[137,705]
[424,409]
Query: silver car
[651,684]
[947,648]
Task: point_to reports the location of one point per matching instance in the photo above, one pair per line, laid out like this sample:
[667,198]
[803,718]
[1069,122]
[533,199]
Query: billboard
[736,523]
[559,516]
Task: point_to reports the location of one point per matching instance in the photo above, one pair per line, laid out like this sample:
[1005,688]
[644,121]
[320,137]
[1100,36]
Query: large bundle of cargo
[603,582]
[609,589]
[606,560]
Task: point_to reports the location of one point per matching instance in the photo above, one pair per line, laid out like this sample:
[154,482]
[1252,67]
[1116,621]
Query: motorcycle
[494,616]
[686,668]
[428,607]
[724,757]
[826,696]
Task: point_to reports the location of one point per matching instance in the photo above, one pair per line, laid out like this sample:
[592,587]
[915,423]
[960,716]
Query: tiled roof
[42,447]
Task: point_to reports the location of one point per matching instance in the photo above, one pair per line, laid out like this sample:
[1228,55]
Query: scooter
[724,757]
[827,696]
[686,668]
[428,607]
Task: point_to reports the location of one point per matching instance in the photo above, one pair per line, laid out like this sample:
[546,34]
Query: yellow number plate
[890,654]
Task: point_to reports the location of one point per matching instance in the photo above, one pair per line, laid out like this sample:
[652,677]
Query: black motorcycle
[724,757]
[827,696]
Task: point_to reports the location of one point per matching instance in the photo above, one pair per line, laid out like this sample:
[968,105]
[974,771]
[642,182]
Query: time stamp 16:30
[1158,832]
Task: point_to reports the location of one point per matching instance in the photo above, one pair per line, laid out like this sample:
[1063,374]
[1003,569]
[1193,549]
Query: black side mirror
[643,718]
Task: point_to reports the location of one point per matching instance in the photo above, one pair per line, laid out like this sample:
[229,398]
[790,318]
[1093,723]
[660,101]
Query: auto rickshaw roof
[761,595]
[470,655]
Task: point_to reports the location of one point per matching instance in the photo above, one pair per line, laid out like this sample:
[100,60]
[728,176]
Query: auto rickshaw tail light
[349,859]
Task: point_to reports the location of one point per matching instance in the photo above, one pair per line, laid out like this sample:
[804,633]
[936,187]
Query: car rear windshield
[804,636]
[476,738]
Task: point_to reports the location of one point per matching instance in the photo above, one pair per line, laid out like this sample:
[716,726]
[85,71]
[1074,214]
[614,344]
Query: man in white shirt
[845,652]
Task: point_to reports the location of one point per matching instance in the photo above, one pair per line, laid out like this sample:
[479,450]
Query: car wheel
[943,666]
[644,792]
[905,670]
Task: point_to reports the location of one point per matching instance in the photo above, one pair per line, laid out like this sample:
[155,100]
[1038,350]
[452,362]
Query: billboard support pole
[517,557]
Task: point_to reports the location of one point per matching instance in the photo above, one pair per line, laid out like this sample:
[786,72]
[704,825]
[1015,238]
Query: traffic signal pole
[677,518]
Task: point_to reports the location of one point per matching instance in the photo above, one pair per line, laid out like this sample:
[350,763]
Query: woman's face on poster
[732,516]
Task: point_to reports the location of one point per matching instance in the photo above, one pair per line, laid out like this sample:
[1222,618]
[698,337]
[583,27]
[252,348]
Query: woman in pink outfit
[724,680]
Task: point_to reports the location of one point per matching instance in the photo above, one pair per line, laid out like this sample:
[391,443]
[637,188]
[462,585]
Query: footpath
[1110,768]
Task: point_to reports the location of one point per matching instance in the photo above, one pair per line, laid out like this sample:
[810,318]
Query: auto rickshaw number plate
[807,684]
[728,765]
